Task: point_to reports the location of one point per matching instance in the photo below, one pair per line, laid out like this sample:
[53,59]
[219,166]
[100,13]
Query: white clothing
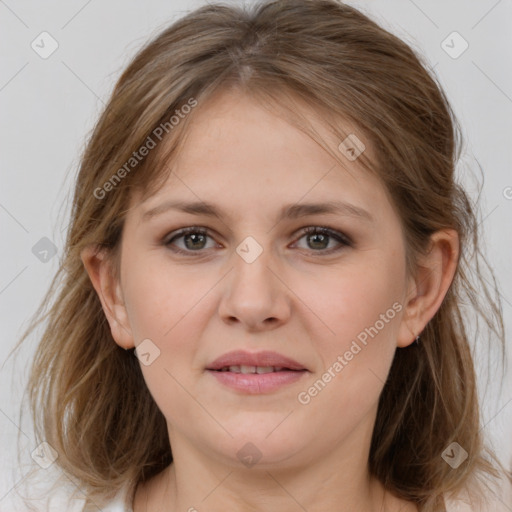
[118,504]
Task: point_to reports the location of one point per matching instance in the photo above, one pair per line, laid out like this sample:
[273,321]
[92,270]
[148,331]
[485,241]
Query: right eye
[193,237]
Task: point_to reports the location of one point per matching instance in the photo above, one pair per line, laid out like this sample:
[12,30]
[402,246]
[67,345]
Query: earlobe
[108,289]
[429,286]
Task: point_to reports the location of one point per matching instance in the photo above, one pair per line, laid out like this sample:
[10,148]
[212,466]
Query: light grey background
[50,105]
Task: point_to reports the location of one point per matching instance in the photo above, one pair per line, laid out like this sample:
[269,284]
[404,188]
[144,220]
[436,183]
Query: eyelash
[344,240]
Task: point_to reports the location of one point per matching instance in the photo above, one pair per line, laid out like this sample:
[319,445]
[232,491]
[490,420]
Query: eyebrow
[292,211]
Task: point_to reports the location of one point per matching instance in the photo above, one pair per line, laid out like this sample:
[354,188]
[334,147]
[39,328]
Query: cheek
[159,297]
[363,295]
[166,305]
[161,305]
[361,308]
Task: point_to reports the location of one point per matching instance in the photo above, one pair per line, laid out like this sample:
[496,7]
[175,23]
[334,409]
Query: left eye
[319,235]
[194,239]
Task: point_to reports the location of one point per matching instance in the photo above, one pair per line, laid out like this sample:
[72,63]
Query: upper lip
[265,358]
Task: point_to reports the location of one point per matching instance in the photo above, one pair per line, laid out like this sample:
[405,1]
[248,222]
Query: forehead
[237,152]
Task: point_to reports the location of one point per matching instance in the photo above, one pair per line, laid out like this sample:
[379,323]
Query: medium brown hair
[88,396]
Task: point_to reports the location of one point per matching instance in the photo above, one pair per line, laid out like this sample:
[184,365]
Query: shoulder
[120,503]
[50,491]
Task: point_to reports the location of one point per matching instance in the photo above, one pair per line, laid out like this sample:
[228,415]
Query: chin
[265,446]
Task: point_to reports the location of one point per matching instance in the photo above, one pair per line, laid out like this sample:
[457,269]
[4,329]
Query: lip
[255,383]
[265,358]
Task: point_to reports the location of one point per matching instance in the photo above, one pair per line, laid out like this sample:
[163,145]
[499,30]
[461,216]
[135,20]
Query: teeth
[265,369]
[247,369]
[251,369]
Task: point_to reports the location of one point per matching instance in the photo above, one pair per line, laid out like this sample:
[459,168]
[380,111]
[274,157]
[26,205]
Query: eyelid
[342,239]
[333,233]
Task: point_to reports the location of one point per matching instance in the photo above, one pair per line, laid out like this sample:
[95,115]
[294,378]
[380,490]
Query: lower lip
[257,383]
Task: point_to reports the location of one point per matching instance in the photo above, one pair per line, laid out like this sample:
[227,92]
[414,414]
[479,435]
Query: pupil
[194,237]
[319,235]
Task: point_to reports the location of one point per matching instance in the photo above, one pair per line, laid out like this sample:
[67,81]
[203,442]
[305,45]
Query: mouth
[241,361]
[260,370]
[256,373]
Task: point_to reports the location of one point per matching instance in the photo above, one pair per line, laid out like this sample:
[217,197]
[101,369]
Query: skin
[294,299]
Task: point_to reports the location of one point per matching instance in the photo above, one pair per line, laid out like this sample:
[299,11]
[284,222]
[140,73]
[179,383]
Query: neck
[264,490]
[195,482]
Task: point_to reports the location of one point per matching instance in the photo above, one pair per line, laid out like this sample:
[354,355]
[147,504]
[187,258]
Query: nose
[255,295]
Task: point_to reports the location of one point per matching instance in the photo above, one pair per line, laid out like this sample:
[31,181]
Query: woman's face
[257,283]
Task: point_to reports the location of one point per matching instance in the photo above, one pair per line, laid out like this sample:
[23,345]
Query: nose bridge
[252,267]
[253,291]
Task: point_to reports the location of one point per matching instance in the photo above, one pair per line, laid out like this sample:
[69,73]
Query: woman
[263,278]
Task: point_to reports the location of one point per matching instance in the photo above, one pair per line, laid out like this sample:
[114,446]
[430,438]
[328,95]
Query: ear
[106,284]
[428,287]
